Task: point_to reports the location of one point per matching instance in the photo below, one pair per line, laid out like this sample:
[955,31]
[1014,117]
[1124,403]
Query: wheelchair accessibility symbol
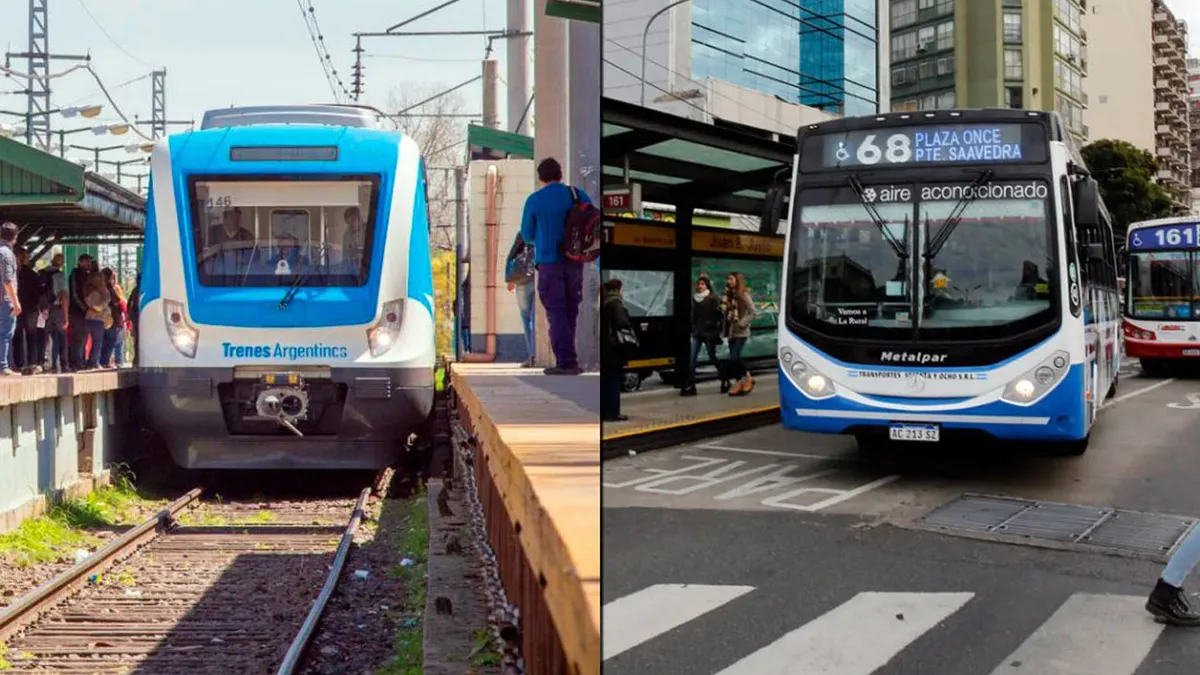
[842,153]
[1137,240]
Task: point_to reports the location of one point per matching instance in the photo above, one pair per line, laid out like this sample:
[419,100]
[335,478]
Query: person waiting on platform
[98,316]
[618,344]
[706,333]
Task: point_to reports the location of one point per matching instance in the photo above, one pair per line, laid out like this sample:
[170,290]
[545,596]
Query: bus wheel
[1073,448]
[1112,391]
[872,444]
[1153,367]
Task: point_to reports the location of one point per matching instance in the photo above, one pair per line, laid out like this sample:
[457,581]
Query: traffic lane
[773,468]
[801,567]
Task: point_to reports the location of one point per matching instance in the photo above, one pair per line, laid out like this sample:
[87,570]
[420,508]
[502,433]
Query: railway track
[201,587]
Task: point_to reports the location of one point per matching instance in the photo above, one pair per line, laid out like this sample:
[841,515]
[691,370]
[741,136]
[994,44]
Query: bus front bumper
[1059,416]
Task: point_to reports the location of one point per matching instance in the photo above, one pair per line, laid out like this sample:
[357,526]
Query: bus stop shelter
[694,167]
[57,202]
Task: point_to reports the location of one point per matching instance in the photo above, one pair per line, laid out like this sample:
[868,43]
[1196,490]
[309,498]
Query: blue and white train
[949,274]
[286,309]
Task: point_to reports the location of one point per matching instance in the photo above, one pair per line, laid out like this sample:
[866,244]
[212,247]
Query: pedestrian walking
[1167,601]
[706,333]
[559,280]
[738,307]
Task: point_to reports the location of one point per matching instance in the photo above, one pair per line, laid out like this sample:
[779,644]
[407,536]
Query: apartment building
[1139,93]
[1194,108]
[768,64]
[1173,136]
[1026,54]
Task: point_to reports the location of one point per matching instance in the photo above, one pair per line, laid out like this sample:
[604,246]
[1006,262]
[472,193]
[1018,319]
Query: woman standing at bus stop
[738,307]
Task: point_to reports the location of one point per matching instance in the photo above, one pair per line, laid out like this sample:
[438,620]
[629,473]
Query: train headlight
[386,331]
[1032,385]
[184,336]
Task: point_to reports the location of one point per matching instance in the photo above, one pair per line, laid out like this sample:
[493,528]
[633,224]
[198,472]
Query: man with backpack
[563,225]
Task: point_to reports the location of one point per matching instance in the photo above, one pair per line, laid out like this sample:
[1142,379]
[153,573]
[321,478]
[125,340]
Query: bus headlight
[386,331]
[184,336]
[1031,386]
[814,384]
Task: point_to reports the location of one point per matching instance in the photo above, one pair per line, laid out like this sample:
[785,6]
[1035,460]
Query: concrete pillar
[550,125]
[517,61]
[584,134]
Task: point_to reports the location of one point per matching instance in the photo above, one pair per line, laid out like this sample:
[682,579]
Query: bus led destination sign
[926,144]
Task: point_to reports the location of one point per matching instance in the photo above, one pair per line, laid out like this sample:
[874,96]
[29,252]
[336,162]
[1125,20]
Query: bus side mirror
[1087,203]
[1095,252]
[772,210]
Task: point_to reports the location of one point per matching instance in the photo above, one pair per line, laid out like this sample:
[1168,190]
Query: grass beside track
[408,657]
[52,536]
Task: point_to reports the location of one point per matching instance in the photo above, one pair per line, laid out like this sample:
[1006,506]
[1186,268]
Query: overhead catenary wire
[111,38]
[336,86]
[116,108]
[52,76]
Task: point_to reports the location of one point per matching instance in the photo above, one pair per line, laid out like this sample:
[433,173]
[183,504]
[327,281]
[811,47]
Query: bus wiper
[301,278]
[943,234]
[897,245]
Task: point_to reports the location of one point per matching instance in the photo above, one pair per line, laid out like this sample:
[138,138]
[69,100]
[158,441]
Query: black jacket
[706,319]
[613,317]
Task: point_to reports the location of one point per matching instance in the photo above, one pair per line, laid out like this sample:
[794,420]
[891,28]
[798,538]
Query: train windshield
[988,267]
[1163,285]
[255,233]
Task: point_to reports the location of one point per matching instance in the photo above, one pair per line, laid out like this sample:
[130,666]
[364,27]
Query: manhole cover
[1021,519]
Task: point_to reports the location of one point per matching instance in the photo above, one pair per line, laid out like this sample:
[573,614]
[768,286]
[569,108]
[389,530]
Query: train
[286,308]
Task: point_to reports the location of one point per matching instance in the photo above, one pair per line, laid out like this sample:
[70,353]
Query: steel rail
[28,607]
[291,660]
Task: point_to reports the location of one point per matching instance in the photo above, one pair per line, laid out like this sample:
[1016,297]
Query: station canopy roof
[678,160]
[58,201]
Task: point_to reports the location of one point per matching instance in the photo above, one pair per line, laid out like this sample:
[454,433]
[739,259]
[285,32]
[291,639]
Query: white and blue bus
[948,275]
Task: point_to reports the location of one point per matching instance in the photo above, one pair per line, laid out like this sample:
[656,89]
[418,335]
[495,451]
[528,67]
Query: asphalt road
[770,552]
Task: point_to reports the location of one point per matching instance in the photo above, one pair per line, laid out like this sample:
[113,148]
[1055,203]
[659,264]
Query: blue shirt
[545,219]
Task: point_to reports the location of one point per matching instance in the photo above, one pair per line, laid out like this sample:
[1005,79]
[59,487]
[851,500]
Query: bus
[949,276]
[1161,294]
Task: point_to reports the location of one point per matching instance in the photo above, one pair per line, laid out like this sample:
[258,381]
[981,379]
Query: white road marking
[1088,635]
[1136,392]
[838,497]
[858,638]
[774,453]
[637,618]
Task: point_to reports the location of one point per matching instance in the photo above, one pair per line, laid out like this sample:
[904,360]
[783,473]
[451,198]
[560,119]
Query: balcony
[1161,61]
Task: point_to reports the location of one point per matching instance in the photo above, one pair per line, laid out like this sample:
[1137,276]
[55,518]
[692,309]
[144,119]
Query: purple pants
[560,287]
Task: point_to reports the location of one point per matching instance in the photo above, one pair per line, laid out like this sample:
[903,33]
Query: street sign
[578,10]
[622,198]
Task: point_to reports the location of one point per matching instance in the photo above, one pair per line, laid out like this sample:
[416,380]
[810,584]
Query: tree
[440,130]
[1127,184]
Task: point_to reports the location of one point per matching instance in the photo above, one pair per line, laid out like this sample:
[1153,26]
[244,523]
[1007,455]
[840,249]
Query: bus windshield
[1162,285]
[991,272]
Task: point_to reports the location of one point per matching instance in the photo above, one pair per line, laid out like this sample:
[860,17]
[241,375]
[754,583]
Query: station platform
[659,417]
[538,475]
[64,430]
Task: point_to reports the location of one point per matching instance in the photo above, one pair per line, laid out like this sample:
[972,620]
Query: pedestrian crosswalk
[1096,634]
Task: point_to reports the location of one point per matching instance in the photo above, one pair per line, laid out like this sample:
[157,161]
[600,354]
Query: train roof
[334,115]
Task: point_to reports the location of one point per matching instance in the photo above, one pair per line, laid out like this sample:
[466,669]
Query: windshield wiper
[943,234]
[897,245]
[301,278]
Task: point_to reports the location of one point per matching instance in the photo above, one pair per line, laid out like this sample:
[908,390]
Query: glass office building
[819,53]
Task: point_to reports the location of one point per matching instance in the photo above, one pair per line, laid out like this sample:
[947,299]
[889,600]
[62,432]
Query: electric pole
[37,88]
[158,103]
[356,85]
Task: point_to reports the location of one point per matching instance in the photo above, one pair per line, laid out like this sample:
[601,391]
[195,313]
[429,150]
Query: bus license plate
[1191,352]
[928,433]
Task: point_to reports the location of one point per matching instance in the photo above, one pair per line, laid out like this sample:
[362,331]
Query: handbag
[519,268]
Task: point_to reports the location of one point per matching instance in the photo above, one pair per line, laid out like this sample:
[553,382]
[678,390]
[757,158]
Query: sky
[246,52]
